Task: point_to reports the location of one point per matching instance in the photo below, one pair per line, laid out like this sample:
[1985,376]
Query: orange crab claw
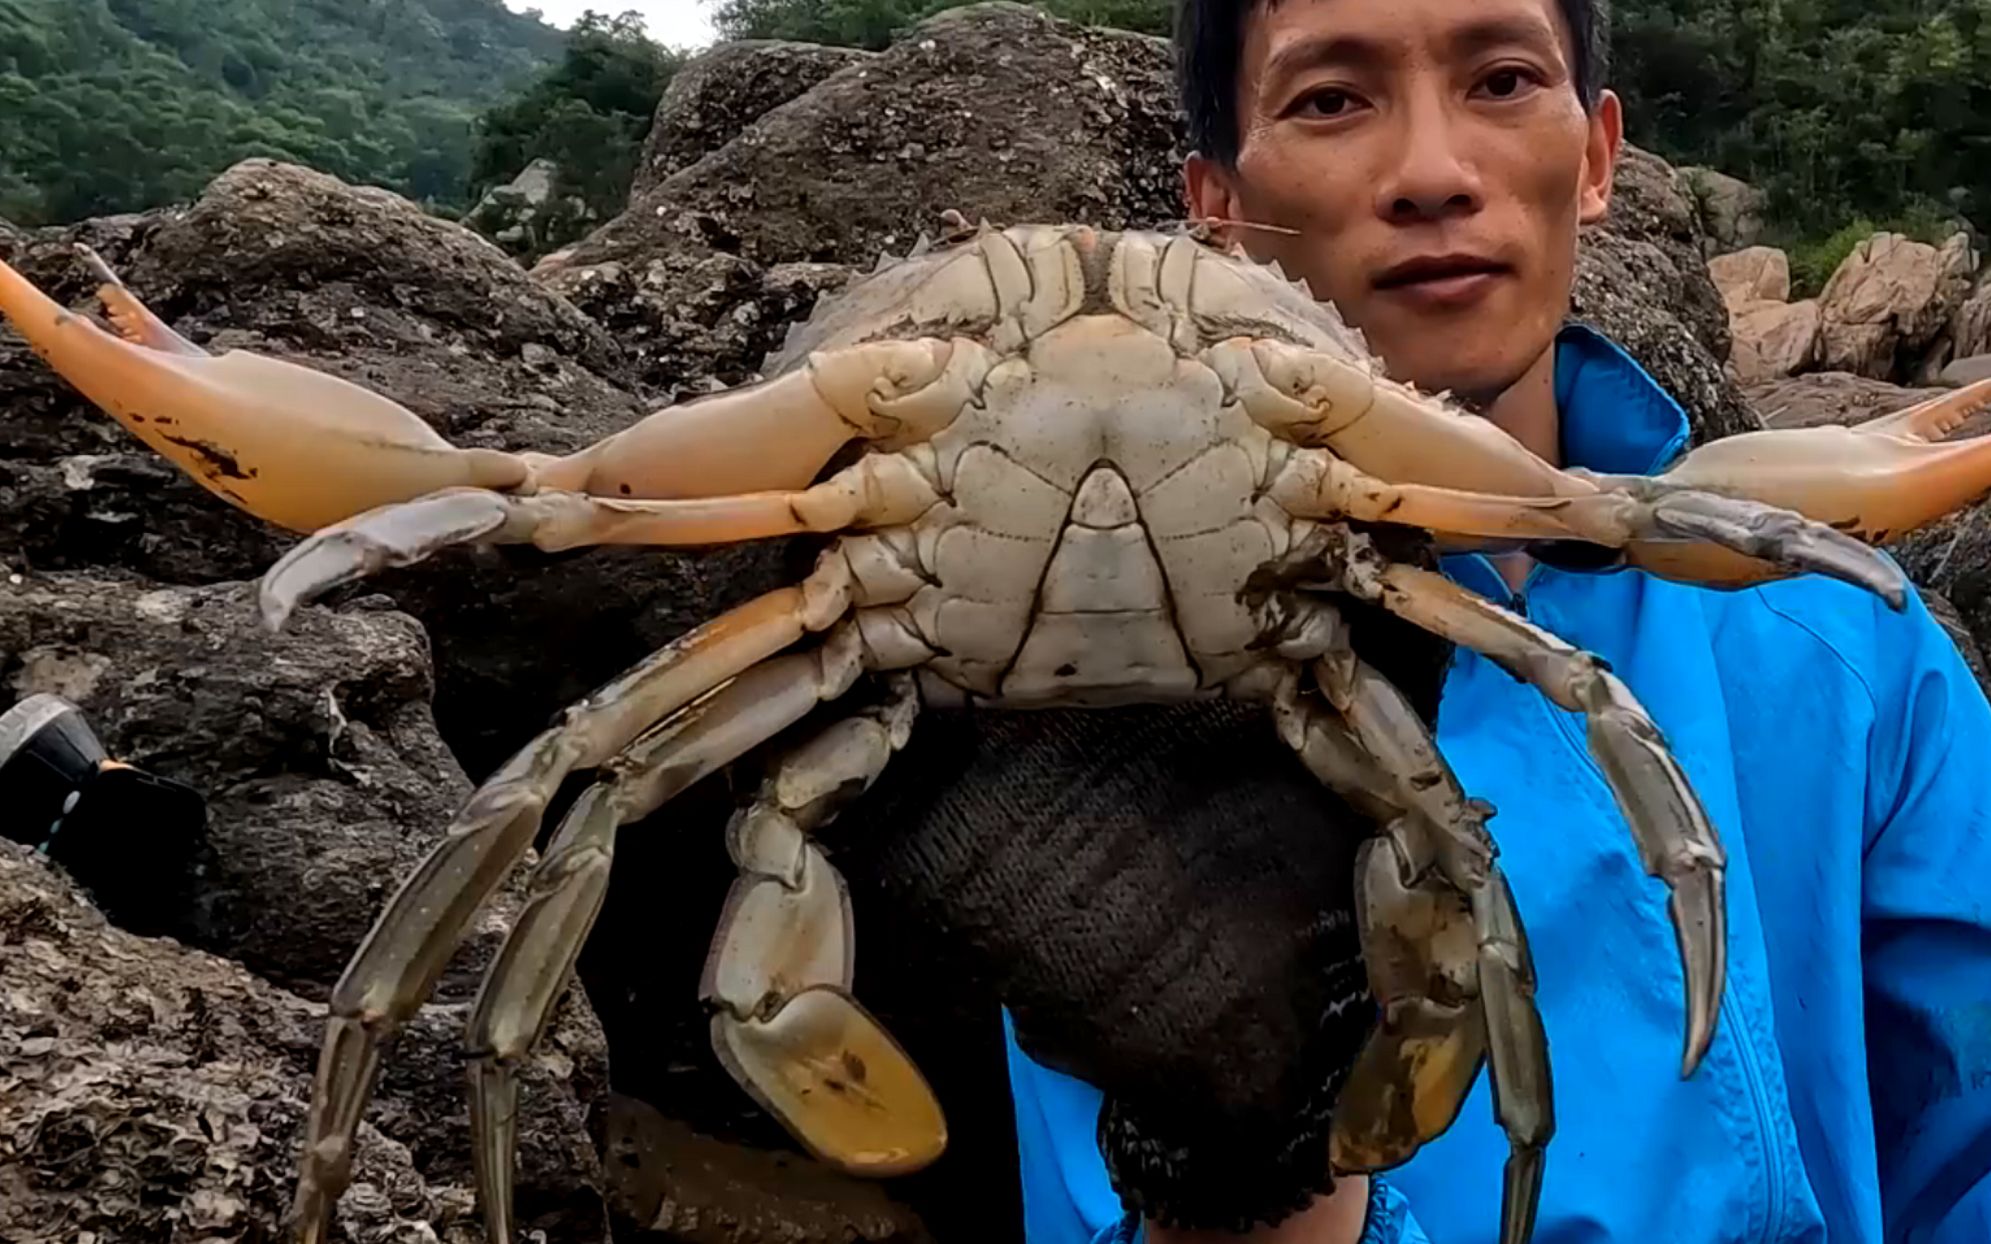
[1875,481]
[290,445]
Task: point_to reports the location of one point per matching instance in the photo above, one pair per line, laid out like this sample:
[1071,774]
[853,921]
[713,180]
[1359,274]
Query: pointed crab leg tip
[1522,1196]
[1701,925]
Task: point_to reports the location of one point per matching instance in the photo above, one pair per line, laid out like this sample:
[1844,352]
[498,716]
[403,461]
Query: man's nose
[1431,175]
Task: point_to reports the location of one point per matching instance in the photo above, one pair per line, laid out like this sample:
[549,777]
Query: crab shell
[1092,468]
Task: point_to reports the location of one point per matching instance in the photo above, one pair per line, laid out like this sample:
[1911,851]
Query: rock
[1959,630]
[1774,339]
[1971,330]
[1730,210]
[325,777]
[1889,300]
[668,1183]
[1758,274]
[525,217]
[1821,398]
[149,1091]
[1953,558]
[996,110]
[716,95]
[1967,371]
[362,284]
[1641,278]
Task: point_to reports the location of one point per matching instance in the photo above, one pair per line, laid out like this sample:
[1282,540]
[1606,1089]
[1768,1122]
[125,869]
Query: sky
[673,23]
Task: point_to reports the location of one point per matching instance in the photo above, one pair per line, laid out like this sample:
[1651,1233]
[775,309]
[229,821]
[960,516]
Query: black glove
[1162,897]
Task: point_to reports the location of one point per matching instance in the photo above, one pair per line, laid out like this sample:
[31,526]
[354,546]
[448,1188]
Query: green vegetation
[1836,109]
[1839,110]
[590,113]
[118,105]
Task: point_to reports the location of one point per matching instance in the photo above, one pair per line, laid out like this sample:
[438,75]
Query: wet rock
[720,93]
[1959,630]
[150,1091]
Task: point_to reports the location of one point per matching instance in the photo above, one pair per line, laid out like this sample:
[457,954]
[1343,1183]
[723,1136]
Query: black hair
[1209,46]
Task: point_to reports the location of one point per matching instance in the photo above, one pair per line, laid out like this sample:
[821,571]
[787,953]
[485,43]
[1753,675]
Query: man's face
[1436,161]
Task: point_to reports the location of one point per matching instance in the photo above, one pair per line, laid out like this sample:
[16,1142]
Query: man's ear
[1209,193]
[1600,156]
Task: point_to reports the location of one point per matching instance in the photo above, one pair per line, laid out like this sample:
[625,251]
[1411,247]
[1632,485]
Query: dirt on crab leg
[397,965]
[779,972]
[878,490]
[1676,840]
[1316,484]
[535,964]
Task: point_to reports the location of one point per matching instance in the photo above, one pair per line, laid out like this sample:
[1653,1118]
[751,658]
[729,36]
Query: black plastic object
[128,836]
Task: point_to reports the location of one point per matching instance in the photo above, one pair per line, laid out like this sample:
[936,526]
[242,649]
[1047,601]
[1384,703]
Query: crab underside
[1097,469]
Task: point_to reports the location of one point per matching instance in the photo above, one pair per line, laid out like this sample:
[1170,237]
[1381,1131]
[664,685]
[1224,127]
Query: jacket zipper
[1746,1054]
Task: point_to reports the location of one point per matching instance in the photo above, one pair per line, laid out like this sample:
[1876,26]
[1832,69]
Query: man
[1434,160]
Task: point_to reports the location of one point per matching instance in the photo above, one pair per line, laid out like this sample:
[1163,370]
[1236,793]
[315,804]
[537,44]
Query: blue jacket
[1844,753]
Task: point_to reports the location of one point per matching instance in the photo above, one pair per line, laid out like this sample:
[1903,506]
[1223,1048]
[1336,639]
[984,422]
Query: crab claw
[290,445]
[1875,481]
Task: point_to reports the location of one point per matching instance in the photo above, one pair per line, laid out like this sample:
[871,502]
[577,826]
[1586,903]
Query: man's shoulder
[1812,637]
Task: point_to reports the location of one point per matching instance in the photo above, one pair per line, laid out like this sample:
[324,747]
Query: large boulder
[1641,278]
[1756,274]
[1964,371]
[152,1091]
[719,94]
[1889,302]
[528,215]
[1730,210]
[1774,339]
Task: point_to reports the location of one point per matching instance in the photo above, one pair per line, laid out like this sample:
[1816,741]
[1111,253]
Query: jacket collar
[1614,418]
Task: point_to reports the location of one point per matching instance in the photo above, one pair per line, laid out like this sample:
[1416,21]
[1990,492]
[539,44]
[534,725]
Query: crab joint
[1301,395]
[898,392]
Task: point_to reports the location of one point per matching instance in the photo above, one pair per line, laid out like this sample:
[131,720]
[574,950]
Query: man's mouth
[1443,278]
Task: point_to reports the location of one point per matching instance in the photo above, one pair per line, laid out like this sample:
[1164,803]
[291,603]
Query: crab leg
[1316,484]
[779,973]
[879,490]
[396,967]
[305,450]
[532,969]
[1676,840]
[1455,984]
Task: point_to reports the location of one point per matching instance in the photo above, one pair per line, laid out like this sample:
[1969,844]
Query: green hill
[120,105]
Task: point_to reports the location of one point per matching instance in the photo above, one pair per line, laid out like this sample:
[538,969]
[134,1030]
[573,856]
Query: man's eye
[1506,83]
[1328,103]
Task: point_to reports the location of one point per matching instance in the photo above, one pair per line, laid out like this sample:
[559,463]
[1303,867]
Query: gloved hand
[1162,897]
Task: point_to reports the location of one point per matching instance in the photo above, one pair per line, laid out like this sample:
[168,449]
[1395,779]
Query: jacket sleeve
[1926,913]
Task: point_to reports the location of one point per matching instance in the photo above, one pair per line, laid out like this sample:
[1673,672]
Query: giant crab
[1090,468]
